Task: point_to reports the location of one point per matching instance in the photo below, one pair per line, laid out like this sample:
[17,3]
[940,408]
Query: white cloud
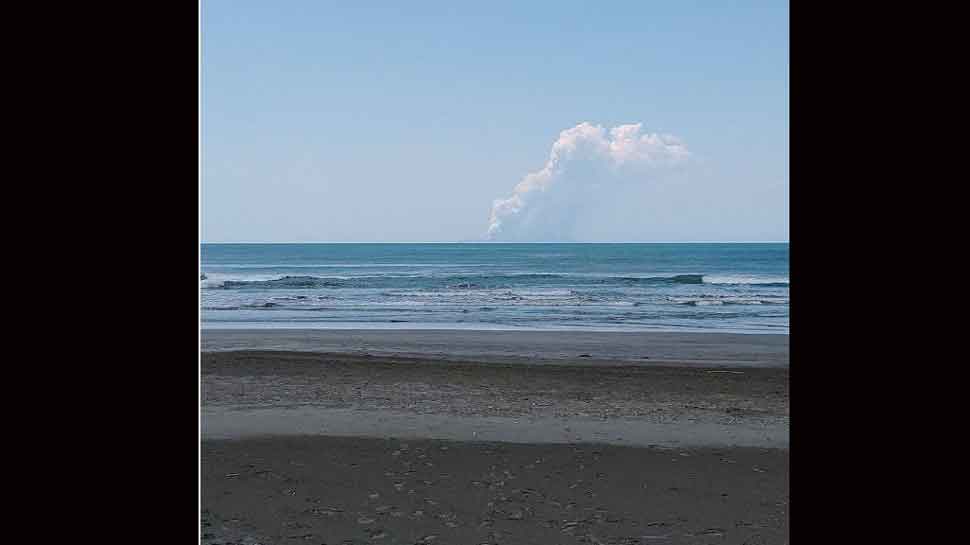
[586,162]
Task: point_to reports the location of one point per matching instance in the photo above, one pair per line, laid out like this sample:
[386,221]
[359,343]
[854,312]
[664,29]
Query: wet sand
[531,347]
[346,441]
[259,393]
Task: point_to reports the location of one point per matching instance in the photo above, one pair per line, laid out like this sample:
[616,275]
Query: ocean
[739,288]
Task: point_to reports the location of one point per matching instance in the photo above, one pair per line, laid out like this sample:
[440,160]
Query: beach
[370,436]
[492,274]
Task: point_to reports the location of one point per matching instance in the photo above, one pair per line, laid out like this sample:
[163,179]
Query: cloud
[586,163]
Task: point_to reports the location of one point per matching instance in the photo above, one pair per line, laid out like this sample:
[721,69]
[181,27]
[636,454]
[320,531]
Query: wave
[209,283]
[286,282]
[452,282]
[712,299]
[734,280]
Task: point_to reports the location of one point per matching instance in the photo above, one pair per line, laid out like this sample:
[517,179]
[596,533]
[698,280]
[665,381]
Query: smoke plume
[585,163]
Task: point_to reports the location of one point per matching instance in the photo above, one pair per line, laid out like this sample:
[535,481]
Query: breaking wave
[464,281]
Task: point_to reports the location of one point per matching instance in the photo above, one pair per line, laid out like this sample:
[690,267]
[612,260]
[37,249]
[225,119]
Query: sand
[493,437]
[531,347]
[337,490]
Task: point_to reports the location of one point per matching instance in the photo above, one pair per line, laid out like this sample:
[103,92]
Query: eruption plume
[585,162]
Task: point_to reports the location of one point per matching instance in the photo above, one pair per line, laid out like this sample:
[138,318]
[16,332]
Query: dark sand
[258,393]
[296,443]
[336,490]
[531,347]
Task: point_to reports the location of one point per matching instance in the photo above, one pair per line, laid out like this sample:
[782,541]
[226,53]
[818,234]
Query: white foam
[743,279]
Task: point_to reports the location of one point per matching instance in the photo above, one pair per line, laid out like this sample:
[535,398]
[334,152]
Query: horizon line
[515,242]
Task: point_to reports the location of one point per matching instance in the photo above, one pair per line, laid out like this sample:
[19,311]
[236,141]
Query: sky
[427,121]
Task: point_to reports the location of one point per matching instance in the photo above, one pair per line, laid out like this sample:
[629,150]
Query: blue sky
[404,121]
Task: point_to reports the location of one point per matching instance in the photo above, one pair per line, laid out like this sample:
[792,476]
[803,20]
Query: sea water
[734,287]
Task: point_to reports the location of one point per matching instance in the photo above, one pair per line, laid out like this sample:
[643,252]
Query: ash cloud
[586,164]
